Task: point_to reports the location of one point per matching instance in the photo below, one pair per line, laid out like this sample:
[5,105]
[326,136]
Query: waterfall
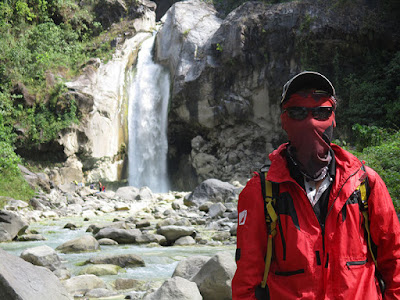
[147,120]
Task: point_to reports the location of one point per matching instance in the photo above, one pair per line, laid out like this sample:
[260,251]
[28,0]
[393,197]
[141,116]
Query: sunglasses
[320,113]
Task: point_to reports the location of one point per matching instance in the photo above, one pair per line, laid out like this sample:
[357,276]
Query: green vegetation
[371,96]
[42,44]
[380,149]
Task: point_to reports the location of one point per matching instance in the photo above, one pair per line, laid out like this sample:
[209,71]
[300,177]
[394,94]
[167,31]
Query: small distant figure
[104,188]
[92,186]
[100,187]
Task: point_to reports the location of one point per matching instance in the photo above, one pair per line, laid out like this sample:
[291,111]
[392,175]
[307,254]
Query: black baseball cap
[307,80]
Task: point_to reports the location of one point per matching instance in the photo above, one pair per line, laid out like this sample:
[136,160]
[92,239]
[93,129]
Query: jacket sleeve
[385,232]
[251,241]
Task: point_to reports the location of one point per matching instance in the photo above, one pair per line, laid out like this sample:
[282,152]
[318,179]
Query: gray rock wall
[228,76]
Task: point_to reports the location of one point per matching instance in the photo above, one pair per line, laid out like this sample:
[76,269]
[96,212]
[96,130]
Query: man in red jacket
[320,250]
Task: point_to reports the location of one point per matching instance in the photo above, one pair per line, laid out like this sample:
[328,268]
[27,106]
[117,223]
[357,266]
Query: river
[160,261]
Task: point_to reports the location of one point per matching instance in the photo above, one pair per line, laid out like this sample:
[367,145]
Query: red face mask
[310,138]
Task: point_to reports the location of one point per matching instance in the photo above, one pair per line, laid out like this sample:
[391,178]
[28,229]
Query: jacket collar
[346,165]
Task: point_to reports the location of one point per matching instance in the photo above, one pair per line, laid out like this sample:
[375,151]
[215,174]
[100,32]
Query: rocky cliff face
[227,77]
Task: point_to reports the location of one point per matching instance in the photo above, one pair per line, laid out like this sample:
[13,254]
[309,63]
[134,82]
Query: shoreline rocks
[151,219]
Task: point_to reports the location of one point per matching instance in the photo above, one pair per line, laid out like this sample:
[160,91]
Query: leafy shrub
[384,159]
[12,184]
[366,136]
[371,96]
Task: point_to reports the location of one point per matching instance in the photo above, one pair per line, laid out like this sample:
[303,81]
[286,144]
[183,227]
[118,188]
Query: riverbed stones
[123,260]
[214,279]
[176,288]
[22,280]
[86,243]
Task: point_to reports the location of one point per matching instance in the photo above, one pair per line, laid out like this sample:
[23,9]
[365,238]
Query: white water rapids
[148,110]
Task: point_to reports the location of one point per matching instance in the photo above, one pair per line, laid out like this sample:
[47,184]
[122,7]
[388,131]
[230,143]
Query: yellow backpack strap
[364,210]
[271,218]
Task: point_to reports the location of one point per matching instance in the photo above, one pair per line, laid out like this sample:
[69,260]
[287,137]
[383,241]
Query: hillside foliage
[43,43]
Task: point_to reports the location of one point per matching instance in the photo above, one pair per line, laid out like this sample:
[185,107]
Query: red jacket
[310,264]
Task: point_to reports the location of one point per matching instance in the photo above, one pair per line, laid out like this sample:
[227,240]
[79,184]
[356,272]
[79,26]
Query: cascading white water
[148,110]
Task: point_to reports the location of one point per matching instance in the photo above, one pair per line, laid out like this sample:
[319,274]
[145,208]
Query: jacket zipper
[333,203]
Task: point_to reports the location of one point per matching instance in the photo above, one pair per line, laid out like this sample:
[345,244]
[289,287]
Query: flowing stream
[148,110]
[160,261]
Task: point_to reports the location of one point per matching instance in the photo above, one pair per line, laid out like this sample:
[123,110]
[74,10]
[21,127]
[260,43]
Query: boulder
[14,205]
[39,180]
[30,237]
[143,223]
[22,280]
[185,241]
[82,283]
[221,236]
[72,170]
[188,267]
[122,236]
[100,270]
[205,206]
[107,242]
[214,279]
[127,193]
[129,283]
[122,260]
[86,243]
[183,222]
[119,206]
[212,190]
[95,228]
[100,293]
[233,230]
[166,222]
[148,238]
[43,256]
[176,288]
[216,210]
[145,194]
[173,232]
[11,225]
[62,274]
